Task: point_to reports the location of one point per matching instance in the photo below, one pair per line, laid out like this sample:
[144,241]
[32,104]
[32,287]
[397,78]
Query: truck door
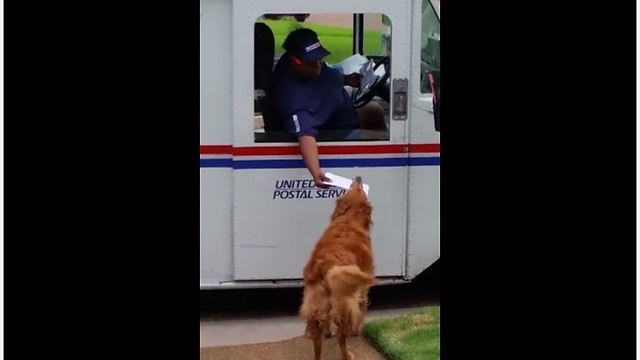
[278,213]
[423,238]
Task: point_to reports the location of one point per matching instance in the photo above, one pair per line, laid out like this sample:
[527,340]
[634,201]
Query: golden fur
[339,273]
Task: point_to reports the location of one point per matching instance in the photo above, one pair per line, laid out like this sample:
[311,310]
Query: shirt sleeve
[300,123]
[297,120]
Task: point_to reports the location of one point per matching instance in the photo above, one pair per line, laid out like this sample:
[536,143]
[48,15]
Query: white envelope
[367,74]
[344,183]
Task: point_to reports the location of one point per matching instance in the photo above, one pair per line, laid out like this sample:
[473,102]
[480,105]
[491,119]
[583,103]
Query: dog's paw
[356,331]
[349,356]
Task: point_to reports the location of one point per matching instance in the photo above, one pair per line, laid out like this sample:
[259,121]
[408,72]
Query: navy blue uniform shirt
[307,107]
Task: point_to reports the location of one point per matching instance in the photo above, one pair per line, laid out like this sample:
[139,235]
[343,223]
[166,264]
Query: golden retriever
[339,273]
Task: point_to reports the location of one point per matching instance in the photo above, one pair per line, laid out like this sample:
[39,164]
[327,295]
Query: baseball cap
[304,44]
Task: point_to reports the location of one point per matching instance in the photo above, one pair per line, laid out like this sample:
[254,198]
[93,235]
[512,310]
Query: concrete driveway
[264,325]
[278,338]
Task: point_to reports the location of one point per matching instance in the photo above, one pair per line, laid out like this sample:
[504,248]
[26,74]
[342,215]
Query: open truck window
[352,40]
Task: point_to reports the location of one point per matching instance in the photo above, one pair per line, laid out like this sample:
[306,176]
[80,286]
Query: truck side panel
[423,243]
[216,257]
[215,77]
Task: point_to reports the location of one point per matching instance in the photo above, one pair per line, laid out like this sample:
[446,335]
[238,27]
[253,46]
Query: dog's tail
[345,280]
[348,286]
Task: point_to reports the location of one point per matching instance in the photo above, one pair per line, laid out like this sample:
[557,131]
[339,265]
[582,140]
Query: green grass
[409,337]
[338,40]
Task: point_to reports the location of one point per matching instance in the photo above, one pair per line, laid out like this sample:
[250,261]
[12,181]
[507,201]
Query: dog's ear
[365,213]
[341,207]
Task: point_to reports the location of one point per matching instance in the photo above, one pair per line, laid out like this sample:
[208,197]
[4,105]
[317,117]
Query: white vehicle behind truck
[261,213]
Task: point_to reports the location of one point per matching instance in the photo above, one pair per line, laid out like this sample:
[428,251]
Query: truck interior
[343,35]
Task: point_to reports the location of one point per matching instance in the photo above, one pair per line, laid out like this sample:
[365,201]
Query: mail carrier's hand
[353,80]
[321,180]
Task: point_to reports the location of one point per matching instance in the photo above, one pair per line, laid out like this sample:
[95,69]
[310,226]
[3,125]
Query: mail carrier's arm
[300,124]
[309,152]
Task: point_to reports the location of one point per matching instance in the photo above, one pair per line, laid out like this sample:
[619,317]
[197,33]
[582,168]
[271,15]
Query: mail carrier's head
[305,53]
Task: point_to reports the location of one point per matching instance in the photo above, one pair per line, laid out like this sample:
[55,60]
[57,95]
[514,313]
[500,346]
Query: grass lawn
[414,336]
[338,40]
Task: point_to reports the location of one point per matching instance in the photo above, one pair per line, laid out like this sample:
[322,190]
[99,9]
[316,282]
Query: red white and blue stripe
[332,156]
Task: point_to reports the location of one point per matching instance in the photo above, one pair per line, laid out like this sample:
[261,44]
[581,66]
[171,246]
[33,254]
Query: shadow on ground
[256,303]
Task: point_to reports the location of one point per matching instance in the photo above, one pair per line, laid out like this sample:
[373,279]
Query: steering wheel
[364,94]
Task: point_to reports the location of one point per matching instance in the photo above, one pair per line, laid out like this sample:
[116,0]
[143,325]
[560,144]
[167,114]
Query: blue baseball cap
[304,44]
[311,52]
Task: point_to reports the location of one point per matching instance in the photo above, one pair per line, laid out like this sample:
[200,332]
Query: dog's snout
[358,179]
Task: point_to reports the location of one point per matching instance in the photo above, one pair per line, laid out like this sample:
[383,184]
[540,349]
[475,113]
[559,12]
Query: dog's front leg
[317,346]
[343,333]
[327,329]
[314,331]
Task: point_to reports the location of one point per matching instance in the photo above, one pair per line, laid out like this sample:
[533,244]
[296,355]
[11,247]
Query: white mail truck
[261,212]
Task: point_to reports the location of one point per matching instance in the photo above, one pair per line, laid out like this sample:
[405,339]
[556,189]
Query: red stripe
[323,149]
[424,148]
[215,149]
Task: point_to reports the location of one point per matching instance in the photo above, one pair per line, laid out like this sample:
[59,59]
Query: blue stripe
[324,163]
[424,161]
[216,163]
